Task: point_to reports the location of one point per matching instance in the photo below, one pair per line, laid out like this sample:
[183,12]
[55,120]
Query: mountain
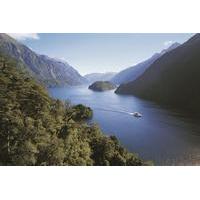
[134,72]
[48,70]
[99,76]
[173,79]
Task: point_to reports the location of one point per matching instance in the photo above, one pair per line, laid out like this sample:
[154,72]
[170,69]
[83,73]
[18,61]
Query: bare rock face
[50,71]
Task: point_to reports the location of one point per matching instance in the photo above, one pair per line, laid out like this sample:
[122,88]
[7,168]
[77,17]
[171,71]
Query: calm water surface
[164,136]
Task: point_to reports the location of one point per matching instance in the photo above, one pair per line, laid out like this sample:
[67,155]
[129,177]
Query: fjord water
[167,137]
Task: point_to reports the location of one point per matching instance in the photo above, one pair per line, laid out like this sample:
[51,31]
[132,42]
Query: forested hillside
[132,73]
[37,130]
[173,79]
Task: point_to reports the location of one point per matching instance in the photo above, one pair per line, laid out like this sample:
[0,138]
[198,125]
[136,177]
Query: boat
[137,114]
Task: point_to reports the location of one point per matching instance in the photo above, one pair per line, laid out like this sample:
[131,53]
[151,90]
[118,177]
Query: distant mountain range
[93,77]
[173,79]
[134,72]
[50,71]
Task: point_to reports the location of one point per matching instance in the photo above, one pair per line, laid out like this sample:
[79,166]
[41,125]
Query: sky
[100,52]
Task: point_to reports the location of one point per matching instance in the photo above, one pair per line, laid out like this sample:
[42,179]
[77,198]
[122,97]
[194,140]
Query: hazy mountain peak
[100,76]
[7,37]
[194,39]
[172,79]
[131,73]
[171,47]
[48,70]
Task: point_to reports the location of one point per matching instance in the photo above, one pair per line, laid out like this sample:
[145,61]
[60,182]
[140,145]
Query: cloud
[24,36]
[167,43]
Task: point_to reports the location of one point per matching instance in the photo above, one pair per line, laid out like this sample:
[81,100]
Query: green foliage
[37,130]
[102,86]
[81,112]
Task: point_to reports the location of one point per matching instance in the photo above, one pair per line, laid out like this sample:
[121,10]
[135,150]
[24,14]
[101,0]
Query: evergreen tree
[38,130]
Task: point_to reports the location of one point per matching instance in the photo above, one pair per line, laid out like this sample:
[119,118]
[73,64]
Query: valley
[146,114]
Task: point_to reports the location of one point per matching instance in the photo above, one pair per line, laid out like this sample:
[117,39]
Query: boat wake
[115,111]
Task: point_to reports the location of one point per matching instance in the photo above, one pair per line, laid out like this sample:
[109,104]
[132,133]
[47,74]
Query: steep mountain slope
[38,130]
[47,70]
[99,76]
[131,73]
[173,79]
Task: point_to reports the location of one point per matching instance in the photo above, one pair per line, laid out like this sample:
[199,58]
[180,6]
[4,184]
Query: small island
[102,86]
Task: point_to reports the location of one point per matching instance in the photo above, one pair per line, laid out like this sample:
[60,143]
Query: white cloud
[24,36]
[167,43]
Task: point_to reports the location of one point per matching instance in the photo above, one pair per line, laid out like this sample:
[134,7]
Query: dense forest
[38,130]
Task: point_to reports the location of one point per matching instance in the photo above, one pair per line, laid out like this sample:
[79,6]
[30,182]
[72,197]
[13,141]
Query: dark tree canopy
[38,130]
[102,86]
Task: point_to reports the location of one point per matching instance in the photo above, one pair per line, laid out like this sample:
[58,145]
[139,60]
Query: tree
[38,130]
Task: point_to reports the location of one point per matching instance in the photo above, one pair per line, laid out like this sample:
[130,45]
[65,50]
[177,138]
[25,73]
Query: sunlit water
[164,136]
